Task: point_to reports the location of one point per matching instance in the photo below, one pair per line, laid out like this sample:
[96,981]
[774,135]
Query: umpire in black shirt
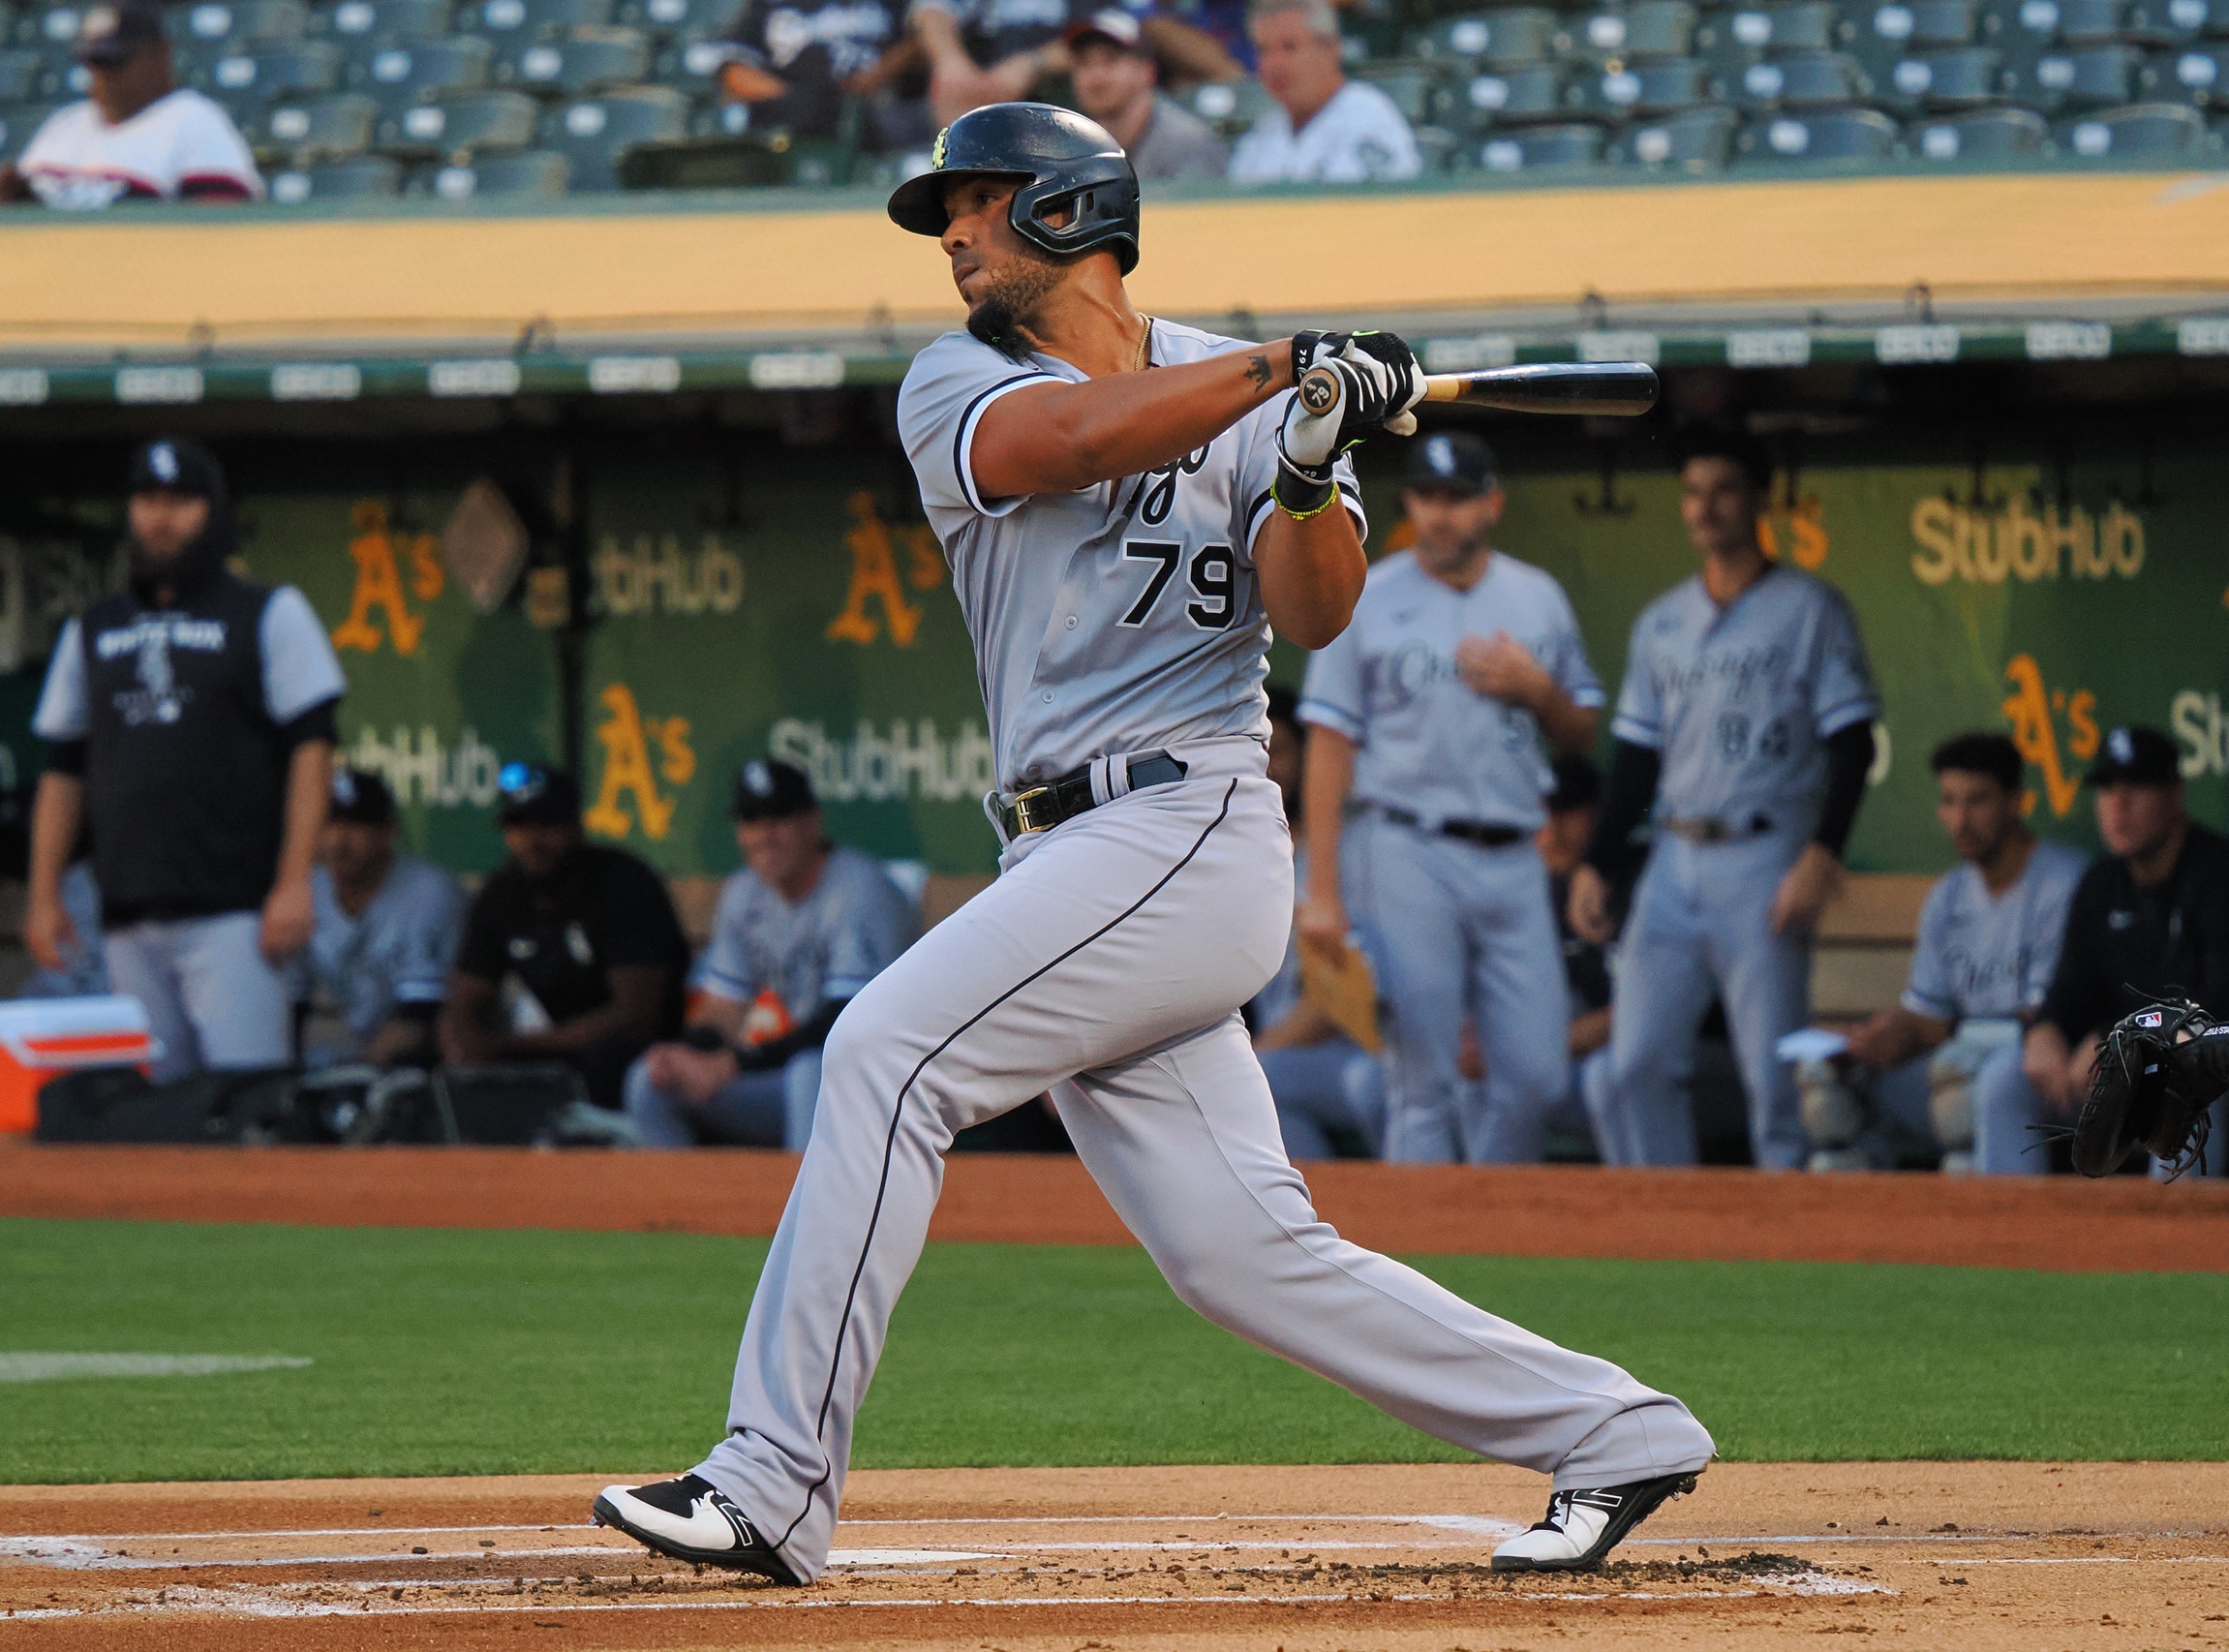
[189,720]
[2149,920]
[571,951]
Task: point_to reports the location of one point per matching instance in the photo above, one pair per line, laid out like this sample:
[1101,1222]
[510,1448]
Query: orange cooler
[39,1037]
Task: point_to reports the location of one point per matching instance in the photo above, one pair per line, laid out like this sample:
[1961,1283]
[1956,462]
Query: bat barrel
[1616,389]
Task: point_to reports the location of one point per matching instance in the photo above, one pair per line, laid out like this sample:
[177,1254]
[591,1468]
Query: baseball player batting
[1127,507]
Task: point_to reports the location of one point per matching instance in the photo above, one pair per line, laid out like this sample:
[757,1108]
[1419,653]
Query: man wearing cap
[386,930]
[799,932]
[572,950]
[189,720]
[1425,775]
[1116,76]
[1320,127]
[2149,919]
[139,135]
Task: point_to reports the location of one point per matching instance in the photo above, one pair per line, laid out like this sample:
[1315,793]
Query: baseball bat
[1615,389]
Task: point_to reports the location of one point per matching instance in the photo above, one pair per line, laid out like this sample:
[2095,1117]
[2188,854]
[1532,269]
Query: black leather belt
[1040,809]
[1712,829]
[1484,831]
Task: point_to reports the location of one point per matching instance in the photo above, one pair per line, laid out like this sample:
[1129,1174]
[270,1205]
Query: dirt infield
[1986,1557]
[2121,1225]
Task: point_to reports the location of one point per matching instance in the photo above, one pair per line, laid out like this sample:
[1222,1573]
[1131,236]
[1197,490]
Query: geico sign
[1984,547]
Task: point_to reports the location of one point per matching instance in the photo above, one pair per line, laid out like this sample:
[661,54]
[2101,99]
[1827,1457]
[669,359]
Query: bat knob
[1319,389]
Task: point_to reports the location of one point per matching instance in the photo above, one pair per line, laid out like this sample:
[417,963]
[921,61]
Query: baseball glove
[2157,1075]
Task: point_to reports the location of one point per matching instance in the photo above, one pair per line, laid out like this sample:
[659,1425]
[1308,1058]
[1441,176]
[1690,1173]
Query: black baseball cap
[361,797]
[535,794]
[1112,24]
[766,788]
[2136,754]
[173,464]
[1451,461]
[112,34]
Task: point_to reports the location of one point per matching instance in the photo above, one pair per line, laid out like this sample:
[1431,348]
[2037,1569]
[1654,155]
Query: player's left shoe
[1581,1527]
[690,1519]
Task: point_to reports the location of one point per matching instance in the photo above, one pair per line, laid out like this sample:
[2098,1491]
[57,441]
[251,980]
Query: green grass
[443,1352]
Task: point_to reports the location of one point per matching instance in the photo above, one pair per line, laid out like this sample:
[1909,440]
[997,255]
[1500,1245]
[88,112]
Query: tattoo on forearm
[1258,370]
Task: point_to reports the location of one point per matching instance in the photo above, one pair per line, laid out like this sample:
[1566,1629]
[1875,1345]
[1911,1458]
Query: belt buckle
[1024,813]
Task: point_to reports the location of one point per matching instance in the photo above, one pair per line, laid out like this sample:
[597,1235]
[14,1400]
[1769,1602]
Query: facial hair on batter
[1002,317]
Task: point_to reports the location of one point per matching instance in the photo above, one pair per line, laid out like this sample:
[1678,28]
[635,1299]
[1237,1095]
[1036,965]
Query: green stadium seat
[1506,97]
[1963,78]
[2105,76]
[527,173]
[1803,80]
[1694,141]
[594,132]
[1982,135]
[2197,75]
[1820,135]
[461,123]
[321,129]
[531,19]
[2140,133]
[50,27]
[359,178]
[2087,23]
[1515,34]
[1230,106]
[1650,86]
[1645,28]
[693,63]
[1567,145]
[235,24]
[2040,83]
[1732,42]
[17,122]
[398,77]
[668,19]
[382,20]
[278,71]
[586,59]
[23,77]
[1410,85]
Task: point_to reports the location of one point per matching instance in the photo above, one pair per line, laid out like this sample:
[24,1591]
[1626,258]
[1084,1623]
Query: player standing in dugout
[1127,506]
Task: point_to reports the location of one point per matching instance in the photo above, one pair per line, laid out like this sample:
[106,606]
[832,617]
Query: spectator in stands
[797,61]
[1329,1091]
[801,928]
[1944,1065]
[1116,75]
[1325,127]
[1562,841]
[572,950]
[387,933]
[987,51]
[2149,920]
[139,136]
[189,720]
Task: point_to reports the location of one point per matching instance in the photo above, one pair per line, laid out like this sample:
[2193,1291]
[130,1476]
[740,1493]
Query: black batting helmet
[1057,157]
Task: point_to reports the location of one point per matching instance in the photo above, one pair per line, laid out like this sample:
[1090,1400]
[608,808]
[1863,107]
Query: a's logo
[936,154]
[874,577]
[2034,714]
[626,737]
[378,592]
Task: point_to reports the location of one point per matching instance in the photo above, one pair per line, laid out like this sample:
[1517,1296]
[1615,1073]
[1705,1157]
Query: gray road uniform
[1113,625]
[1437,862]
[1738,703]
[366,966]
[849,928]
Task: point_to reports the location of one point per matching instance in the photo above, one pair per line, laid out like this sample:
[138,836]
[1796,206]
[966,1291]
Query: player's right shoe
[689,1519]
[1583,1527]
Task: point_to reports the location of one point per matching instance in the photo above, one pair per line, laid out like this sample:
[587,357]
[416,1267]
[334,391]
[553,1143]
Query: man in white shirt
[139,136]
[1323,127]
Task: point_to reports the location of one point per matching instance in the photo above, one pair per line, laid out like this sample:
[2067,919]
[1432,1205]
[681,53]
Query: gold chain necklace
[1145,344]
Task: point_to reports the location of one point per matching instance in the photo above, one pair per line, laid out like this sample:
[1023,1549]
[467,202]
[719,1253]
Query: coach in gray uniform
[190,718]
[799,932]
[387,926]
[1746,716]
[1425,722]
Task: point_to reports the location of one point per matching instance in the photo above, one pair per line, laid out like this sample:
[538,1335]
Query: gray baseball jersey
[1428,741]
[842,936]
[1121,617]
[396,950]
[1740,701]
[1992,955]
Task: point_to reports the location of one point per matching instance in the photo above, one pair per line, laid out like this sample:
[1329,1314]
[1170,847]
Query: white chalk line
[29,1367]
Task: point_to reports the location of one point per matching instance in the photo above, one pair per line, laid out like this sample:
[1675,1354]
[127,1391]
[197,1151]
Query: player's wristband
[1301,493]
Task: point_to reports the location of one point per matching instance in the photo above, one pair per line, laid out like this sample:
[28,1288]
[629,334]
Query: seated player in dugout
[800,929]
[573,951]
[386,930]
[2149,921]
[1941,1067]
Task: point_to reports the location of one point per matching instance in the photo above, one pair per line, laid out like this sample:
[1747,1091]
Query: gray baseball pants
[212,998]
[1108,963]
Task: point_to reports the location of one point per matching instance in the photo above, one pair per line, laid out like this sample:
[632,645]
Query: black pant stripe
[890,1138]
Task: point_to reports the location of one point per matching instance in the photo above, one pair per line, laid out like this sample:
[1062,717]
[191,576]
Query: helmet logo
[936,154]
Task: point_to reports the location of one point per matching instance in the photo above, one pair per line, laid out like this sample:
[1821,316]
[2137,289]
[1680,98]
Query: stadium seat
[1530,92]
[584,59]
[461,123]
[531,20]
[1230,106]
[1515,34]
[2141,132]
[2086,22]
[279,72]
[2105,76]
[1650,86]
[1820,135]
[1565,145]
[1408,84]
[383,21]
[23,77]
[693,63]
[1732,42]
[1983,135]
[2197,75]
[669,17]
[1694,141]
[527,173]
[397,76]
[17,122]
[2040,83]
[593,133]
[322,129]
[1803,80]
[54,26]
[2173,22]
[359,178]
[237,25]
[1963,78]
[1645,28]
